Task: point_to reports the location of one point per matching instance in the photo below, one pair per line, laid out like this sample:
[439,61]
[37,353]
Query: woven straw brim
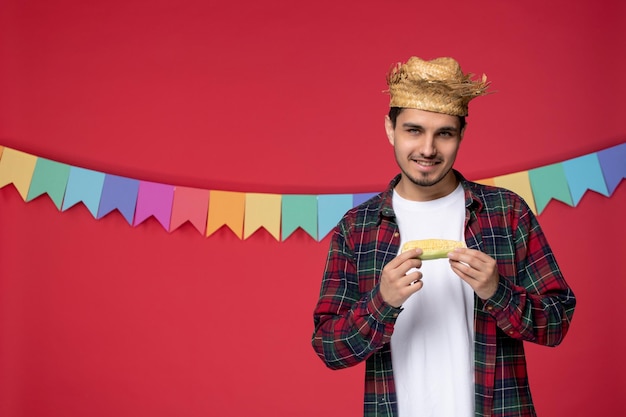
[438,86]
[429,96]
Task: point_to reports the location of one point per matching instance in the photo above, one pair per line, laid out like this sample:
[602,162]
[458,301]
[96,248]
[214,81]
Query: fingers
[397,283]
[403,275]
[476,268]
[396,291]
[404,262]
[405,256]
[410,279]
[415,286]
[471,257]
[461,269]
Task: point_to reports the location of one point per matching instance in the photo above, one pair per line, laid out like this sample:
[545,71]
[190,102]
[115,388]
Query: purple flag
[119,193]
[613,163]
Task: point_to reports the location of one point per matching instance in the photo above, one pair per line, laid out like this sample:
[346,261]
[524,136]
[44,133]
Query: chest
[377,246]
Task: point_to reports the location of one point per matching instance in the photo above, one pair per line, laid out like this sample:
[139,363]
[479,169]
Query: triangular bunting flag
[519,184]
[361,198]
[262,210]
[330,209]
[299,211]
[83,185]
[584,173]
[119,193]
[154,199]
[547,183]
[613,163]
[226,208]
[17,168]
[245,213]
[487,181]
[49,177]
[190,204]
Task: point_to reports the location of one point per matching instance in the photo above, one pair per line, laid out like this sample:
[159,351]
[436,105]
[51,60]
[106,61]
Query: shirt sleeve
[534,302]
[349,325]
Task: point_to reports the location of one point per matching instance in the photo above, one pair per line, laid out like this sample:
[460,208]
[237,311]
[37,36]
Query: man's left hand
[476,268]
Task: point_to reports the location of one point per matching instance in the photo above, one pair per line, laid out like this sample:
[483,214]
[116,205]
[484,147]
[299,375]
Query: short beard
[425,182]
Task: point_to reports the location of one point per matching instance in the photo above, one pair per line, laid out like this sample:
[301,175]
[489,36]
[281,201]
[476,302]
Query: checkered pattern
[532,303]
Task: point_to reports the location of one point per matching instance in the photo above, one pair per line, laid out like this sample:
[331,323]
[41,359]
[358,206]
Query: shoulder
[364,213]
[498,208]
[370,212]
[492,198]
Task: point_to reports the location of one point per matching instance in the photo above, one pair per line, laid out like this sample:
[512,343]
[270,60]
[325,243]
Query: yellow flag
[262,210]
[518,183]
[17,168]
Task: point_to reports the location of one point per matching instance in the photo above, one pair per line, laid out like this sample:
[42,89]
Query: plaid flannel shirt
[532,303]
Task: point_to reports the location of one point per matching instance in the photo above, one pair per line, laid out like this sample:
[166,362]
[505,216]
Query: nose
[427,148]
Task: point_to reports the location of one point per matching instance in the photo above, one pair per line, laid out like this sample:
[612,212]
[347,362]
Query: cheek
[399,154]
[402,146]
[401,150]
[450,150]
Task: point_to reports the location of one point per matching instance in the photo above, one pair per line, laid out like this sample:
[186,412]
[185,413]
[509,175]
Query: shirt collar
[472,201]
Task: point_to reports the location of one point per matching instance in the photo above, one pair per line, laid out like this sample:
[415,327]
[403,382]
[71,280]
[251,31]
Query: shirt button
[396,234]
[511,332]
[489,308]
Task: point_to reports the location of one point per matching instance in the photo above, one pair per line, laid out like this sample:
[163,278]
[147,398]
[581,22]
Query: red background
[100,318]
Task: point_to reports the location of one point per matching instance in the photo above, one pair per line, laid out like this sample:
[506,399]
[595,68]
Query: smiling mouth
[425,163]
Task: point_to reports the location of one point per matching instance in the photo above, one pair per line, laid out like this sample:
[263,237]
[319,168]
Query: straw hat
[438,86]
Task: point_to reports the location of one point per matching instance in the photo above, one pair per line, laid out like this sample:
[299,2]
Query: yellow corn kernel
[433,248]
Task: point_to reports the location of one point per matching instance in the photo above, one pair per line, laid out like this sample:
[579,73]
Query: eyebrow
[448,129]
[441,129]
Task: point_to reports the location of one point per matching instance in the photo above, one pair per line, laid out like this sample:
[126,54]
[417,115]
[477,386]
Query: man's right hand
[396,286]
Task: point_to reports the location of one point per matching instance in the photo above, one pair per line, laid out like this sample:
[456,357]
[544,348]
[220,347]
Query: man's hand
[476,268]
[396,286]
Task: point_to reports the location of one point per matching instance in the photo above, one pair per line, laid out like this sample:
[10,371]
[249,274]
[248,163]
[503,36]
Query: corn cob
[433,248]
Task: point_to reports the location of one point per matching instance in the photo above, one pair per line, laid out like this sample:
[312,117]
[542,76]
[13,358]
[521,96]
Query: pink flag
[192,205]
[154,199]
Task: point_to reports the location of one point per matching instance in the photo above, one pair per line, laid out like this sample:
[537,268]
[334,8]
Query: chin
[427,180]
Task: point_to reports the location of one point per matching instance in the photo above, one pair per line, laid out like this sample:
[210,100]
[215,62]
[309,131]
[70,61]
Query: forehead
[427,119]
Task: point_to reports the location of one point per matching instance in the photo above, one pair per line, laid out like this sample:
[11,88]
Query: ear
[389,129]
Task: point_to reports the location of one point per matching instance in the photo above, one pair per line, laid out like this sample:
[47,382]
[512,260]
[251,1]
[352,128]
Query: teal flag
[49,177]
[549,182]
[299,211]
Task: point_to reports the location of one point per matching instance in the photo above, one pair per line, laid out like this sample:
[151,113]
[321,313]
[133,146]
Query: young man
[440,337]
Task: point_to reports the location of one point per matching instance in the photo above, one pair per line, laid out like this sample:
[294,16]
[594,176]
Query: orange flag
[487,181]
[226,208]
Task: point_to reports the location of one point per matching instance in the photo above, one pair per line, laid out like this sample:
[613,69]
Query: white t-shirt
[432,347]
